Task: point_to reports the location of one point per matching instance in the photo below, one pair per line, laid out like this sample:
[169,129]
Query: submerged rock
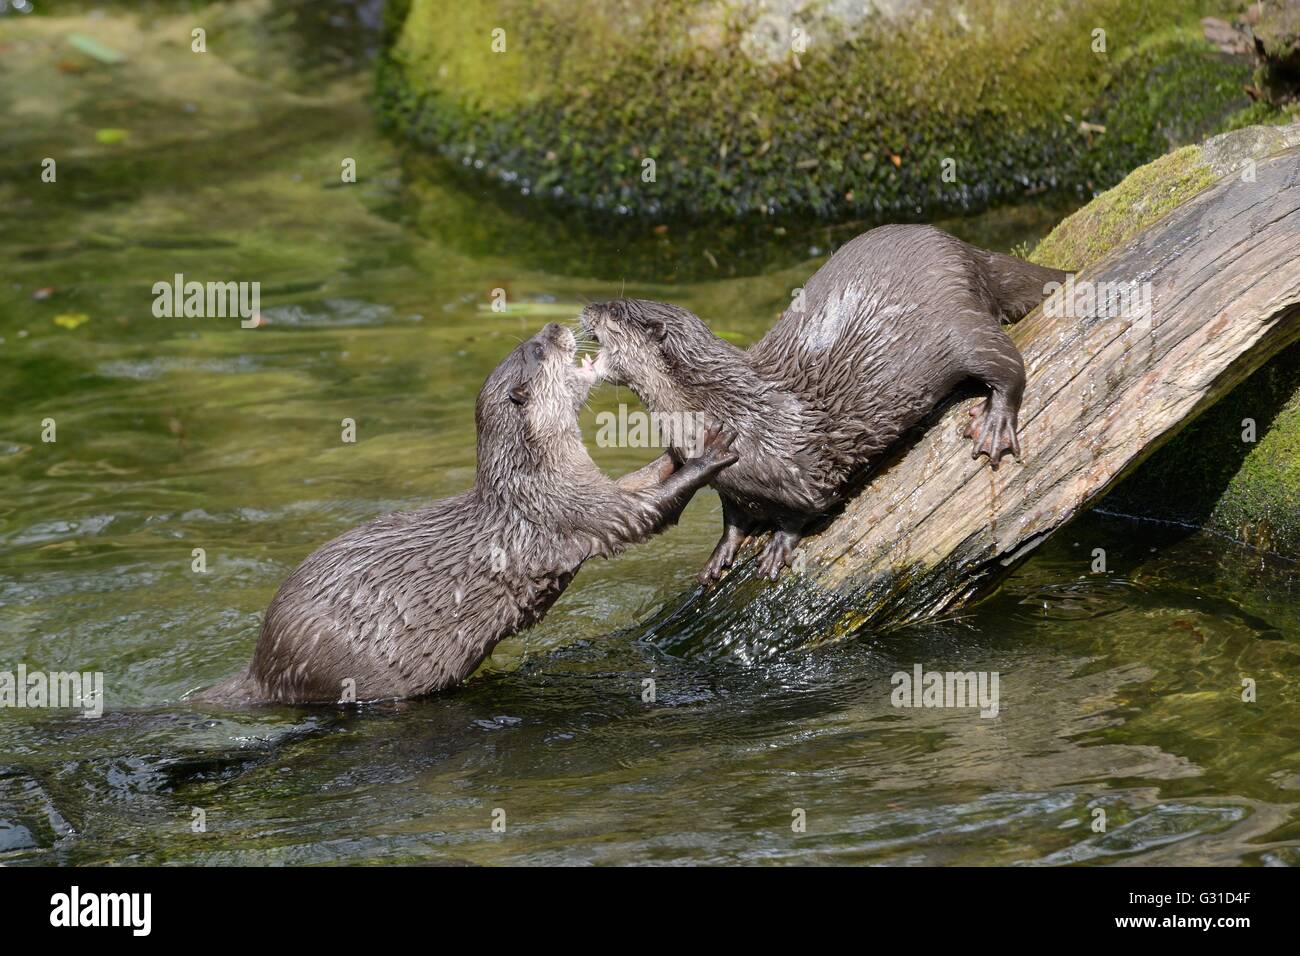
[734,108]
[1236,468]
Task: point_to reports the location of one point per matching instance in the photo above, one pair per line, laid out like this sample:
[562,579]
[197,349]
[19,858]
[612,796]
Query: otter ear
[657,329]
[519,394]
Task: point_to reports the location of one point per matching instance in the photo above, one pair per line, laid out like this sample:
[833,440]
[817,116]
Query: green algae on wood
[1119,214]
[1151,191]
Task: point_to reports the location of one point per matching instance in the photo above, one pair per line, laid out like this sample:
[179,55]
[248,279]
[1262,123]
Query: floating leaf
[110,136]
[70,320]
[94,49]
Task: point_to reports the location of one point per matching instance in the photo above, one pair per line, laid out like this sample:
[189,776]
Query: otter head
[654,348]
[527,410]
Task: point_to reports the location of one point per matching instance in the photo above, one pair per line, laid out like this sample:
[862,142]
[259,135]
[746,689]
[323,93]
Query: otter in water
[412,602]
[881,334]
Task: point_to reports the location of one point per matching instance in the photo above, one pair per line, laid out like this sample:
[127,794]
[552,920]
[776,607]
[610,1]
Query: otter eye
[538,352]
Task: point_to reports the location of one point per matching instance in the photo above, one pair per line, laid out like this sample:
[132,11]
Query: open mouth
[586,370]
[590,368]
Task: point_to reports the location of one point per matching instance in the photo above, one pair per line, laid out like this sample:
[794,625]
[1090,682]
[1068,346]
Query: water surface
[1119,691]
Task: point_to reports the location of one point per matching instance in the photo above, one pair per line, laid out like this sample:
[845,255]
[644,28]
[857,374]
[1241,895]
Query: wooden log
[934,530]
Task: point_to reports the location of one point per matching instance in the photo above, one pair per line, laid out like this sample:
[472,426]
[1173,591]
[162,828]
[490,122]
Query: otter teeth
[588,370]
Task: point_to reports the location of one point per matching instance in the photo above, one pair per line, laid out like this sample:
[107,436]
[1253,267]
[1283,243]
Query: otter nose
[597,313]
[560,335]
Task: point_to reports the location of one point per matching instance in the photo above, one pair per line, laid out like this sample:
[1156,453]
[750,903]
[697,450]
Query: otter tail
[1018,285]
[239,689]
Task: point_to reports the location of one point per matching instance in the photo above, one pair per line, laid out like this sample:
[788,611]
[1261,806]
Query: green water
[1119,691]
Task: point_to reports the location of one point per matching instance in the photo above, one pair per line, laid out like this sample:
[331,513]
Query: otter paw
[714,570]
[993,432]
[778,554]
[724,554]
[715,449]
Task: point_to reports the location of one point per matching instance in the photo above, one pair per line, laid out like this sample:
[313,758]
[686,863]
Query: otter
[887,328]
[412,602]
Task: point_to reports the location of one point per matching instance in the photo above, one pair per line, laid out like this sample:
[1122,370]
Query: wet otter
[412,602]
[886,329]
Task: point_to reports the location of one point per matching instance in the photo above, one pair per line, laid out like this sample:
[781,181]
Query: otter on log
[884,331]
[412,602]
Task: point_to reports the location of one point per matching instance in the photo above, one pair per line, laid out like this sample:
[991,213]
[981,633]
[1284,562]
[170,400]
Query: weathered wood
[934,530]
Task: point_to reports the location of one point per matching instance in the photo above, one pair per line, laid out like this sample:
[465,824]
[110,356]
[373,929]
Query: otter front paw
[992,428]
[715,451]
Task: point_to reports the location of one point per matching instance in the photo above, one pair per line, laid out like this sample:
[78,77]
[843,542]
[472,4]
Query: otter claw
[778,555]
[715,448]
[710,574]
[993,432]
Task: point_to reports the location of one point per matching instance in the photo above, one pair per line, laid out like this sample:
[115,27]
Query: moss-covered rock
[1236,469]
[1277,39]
[779,106]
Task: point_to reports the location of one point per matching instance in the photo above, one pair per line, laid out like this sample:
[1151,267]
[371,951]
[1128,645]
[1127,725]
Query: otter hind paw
[724,555]
[992,430]
[715,569]
[778,554]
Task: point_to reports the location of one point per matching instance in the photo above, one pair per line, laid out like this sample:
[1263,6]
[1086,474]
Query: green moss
[1151,191]
[858,124]
[1119,214]
[1262,503]
[1261,113]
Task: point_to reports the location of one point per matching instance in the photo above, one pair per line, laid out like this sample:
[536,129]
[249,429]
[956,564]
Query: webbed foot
[778,554]
[992,428]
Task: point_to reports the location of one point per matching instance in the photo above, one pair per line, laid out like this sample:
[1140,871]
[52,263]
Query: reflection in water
[1119,692]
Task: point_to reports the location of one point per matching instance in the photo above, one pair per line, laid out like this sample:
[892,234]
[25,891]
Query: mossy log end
[934,530]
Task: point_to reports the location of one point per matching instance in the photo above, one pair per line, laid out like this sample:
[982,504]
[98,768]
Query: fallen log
[933,531]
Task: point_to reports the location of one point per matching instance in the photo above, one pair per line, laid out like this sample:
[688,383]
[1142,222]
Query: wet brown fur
[887,328]
[412,602]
